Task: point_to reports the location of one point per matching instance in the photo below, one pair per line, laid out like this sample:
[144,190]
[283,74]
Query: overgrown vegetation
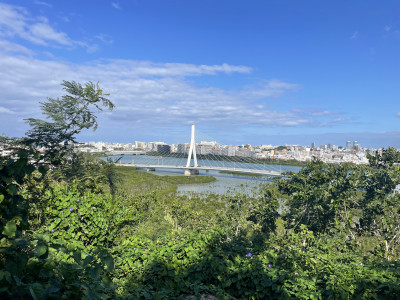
[88,229]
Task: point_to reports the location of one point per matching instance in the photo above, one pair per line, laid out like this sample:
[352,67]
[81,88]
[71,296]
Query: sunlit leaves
[10,228]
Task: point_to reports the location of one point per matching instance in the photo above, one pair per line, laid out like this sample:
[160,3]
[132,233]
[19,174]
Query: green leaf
[17,264]
[2,273]
[109,262]
[10,228]
[77,256]
[51,290]
[43,169]
[41,248]
[36,290]
[12,190]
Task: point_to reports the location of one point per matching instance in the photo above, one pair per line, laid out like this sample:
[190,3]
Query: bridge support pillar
[190,172]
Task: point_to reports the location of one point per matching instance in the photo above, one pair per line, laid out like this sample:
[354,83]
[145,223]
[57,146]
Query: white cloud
[43,3]
[271,88]
[12,20]
[6,46]
[16,22]
[355,35]
[116,5]
[44,33]
[387,28]
[153,93]
[106,39]
[134,69]
[341,120]
[313,112]
[4,110]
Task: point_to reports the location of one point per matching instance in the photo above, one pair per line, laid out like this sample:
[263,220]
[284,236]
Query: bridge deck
[239,170]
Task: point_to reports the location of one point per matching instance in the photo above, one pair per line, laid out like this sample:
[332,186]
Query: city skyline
[260,72]
[348,144]
[353,152]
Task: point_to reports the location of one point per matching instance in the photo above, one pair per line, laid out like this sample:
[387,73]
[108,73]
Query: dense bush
[89,244]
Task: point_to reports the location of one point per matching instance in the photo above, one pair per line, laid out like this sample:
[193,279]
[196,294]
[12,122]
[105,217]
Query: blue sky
[257,72]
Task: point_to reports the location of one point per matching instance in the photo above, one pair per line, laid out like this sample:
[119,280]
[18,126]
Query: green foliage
[28,266]
[31,264]
[384,158]
[290,268]
[87,171]
[266,213]
[381,213]
[68,116]
[383,174]
[189,179]
[75,217]
[242,174]
[321,195]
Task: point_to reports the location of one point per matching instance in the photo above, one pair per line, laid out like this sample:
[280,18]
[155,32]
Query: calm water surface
[224,184]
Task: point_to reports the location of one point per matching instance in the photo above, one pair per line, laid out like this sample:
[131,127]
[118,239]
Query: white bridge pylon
[192,151]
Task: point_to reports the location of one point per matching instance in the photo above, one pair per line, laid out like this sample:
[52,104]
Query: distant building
[181,148]
[163,149]
[243,152]
[348,145]
[204,149]
[267,147]
[140,145]
[153,146]
[227,151]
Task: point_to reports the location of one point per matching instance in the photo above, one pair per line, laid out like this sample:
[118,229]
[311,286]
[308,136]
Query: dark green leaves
[320,193]
[108,261]
[41,248]
[10,228]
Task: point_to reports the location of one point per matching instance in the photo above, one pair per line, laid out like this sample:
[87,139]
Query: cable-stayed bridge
[194,170]
[192,157]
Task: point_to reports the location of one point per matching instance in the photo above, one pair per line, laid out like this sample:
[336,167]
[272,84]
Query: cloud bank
[146,92]
[151,92]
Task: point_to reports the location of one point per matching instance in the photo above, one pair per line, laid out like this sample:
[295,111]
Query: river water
[224,184]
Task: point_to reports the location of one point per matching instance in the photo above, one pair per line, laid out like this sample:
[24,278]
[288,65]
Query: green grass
[188,179]
[241,174]
[138,182]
